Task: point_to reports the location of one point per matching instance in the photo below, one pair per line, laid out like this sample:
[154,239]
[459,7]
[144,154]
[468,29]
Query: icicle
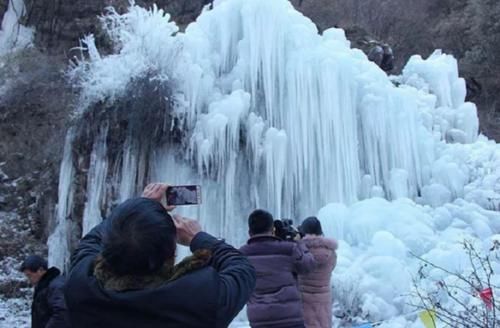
[58,241]
[128,170]
[275,146]
[13,35]
[96,180]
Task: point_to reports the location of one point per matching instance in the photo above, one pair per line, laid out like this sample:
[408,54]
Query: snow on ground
[15,296]
[15,312]
[15,242]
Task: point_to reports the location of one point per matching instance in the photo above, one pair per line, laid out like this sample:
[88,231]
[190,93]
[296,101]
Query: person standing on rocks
[382,55]
[48,309]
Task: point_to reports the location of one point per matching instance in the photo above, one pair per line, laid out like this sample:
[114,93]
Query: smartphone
[183,195]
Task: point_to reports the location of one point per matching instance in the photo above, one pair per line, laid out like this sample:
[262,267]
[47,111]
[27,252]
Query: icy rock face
[60,25]
[33,124]
[14,35]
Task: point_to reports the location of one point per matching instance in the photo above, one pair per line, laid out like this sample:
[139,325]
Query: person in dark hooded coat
[48,309]
[123,272]
[382,55]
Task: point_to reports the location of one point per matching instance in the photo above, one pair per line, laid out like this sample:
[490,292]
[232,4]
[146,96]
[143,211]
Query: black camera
[285,230]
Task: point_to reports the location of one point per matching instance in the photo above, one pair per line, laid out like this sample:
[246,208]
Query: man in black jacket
[123,273]
[48,309]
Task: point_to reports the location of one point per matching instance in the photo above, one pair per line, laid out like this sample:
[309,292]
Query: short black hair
[260,221]
[311,225]
[33,263]
[142,236]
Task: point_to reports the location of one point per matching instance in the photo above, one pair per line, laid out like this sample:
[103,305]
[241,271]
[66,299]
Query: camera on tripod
[285,230]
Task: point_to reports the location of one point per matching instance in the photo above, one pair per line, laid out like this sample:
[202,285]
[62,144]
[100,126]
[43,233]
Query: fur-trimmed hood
[111,281]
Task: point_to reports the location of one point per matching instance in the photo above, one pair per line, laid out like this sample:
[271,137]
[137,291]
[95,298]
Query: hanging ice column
[304,105]
[58,242]
[13,35]
[96,182]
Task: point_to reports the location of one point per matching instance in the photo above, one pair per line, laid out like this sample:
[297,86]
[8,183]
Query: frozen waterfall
[275,115]
[58,242]
[264,111]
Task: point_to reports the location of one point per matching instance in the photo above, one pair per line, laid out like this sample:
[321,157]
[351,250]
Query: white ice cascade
[13,35]
[96,181]
[58,243]
[276,115]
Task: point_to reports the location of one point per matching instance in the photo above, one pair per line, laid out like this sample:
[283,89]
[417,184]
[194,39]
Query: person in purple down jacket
[315,285]
[275,302]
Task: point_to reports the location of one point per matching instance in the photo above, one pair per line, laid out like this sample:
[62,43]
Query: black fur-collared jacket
[48,309]
[192,294]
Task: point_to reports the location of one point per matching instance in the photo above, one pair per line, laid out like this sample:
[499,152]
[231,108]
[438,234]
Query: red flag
[487,297]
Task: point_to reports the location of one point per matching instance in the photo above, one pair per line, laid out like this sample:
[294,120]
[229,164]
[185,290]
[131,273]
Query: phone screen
[183,195]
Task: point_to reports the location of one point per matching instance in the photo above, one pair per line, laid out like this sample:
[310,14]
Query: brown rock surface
[60,24]
[34,107]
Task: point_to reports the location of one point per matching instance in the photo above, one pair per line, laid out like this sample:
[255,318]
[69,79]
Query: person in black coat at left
[48,309]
